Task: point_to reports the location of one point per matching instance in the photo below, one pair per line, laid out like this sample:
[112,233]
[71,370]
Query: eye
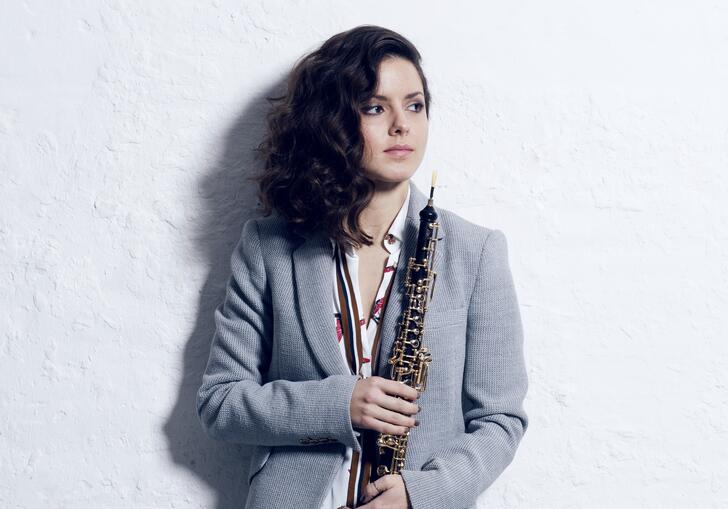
[367,108]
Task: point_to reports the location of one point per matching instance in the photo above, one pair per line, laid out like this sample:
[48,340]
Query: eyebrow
[384,97]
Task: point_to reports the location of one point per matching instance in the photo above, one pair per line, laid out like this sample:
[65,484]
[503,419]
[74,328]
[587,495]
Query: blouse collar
[393,239]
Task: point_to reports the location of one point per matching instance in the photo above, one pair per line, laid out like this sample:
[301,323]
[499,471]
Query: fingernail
[417,423]
[419,410]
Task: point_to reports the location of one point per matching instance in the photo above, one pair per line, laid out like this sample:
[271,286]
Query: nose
[399,125]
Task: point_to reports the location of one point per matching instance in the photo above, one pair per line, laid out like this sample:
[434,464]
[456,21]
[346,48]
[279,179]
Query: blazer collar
[314,279]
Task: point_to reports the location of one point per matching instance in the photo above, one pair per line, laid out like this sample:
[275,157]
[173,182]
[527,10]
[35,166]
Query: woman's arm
[233,404]
[494,385]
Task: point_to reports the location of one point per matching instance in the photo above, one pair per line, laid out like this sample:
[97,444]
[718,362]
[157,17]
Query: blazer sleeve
[233,403]
[494,385]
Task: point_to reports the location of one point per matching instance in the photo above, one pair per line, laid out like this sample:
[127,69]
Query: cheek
[367,147]
[368,132]
[371,142]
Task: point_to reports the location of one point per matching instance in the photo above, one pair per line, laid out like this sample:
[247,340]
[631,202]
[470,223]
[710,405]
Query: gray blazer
[275,377]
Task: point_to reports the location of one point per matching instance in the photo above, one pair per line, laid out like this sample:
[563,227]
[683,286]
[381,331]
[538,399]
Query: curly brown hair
[313,146]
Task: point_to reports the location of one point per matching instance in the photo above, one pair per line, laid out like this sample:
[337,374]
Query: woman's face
[394,117]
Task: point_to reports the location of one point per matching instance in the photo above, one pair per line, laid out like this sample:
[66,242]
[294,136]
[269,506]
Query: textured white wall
[595,135]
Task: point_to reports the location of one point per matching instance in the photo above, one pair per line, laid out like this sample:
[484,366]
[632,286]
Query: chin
[393,173]
[388,182]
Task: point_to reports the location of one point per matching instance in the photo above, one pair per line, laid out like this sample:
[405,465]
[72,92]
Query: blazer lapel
[313,274]
[313,269]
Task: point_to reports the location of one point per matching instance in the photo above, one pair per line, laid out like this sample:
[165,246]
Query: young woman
[298,363]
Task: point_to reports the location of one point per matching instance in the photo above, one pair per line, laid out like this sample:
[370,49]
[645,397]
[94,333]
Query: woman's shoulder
[270,226]
[477,250]
[272,232]
[466,235]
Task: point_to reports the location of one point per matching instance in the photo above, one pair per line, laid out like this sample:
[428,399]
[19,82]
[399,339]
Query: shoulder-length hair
[313,146]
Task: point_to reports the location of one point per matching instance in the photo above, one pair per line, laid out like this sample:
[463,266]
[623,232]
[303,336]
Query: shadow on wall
[228,199]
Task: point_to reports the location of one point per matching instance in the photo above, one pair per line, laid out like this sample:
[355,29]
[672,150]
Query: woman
[298,363]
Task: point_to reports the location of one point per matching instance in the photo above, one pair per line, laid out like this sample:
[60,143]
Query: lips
[399,148]
[398,152]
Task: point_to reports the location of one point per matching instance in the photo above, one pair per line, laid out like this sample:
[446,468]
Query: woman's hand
[374,405]
[387,492]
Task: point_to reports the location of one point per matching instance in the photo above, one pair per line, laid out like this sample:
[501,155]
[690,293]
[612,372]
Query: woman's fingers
[383,427]
[398,405]
[395,388]
[384,405]
[387,421]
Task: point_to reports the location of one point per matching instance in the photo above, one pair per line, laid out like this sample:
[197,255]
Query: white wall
[595,135]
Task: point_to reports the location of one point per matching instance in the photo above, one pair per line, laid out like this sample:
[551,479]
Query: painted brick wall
[594,135]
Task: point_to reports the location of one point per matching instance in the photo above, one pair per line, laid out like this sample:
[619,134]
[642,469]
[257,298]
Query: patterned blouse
[359,343]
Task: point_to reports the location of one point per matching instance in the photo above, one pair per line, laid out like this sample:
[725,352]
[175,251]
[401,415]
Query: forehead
[397,76]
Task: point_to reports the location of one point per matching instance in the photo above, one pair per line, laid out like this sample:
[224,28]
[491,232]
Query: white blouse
[358,339]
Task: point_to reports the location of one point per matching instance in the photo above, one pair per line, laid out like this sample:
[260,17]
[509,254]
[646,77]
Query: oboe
[410,358]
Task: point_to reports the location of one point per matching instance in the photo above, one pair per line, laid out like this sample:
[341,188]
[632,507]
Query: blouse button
[390,238]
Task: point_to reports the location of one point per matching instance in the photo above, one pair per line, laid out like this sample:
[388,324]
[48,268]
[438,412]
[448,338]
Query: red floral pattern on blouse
[339,331]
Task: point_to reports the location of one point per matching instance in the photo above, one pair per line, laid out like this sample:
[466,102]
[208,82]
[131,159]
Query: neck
[376,219]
